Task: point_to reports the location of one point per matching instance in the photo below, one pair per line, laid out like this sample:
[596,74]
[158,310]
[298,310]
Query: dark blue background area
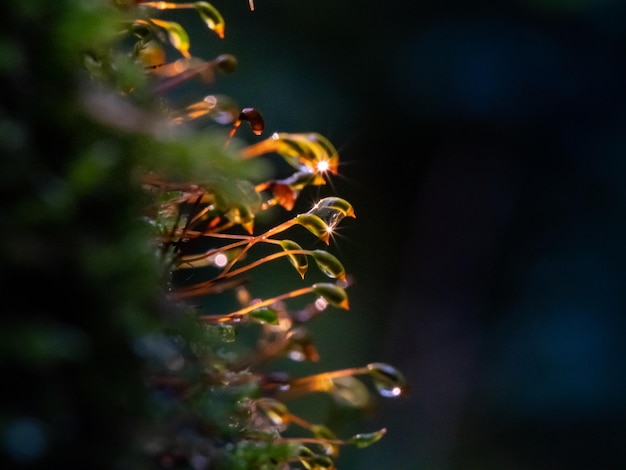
[483,147]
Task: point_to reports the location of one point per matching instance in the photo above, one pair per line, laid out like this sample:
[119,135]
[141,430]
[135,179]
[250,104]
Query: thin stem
[190,259]
[311,440]
[245,239]
[256,306]
[176,80]
[188,224]
[200,288]
[259,262]
[232,132]
[213,251]
[199,214]
[166,5]
[319,382]
[247,267]
[209,231]
[329,375]
[273,231]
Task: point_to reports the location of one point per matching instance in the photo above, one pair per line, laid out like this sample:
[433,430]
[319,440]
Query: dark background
[483,147]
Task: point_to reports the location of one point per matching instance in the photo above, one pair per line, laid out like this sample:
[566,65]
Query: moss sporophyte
[203,204]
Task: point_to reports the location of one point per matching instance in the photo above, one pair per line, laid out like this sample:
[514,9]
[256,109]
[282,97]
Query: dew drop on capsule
[389,382]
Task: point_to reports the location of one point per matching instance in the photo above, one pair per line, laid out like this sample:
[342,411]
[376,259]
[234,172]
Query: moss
[111,357]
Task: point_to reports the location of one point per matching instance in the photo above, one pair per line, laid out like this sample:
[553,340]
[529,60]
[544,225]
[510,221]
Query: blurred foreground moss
[78,274]
[112,202]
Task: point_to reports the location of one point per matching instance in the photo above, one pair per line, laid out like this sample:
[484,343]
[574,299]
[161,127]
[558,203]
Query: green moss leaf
[367,439]
[176,34]
[211,16]
[334,203]
[298,260]
[265,315]
[329,264]
[315,225]
[333,294]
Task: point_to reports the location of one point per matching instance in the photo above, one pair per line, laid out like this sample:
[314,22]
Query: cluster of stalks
[220,407]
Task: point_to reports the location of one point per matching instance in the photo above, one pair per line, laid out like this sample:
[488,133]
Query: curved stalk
[254,264]
[234,316]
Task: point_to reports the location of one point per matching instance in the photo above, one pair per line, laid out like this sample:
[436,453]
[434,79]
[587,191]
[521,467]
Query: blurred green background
[483,147]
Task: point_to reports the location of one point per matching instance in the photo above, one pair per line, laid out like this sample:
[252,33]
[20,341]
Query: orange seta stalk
[250,308]
[322,382]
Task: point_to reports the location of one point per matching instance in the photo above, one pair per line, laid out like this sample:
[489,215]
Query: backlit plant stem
[250,308]
[167,5]
[244,239]
[248,241]
[265,259]
[176,80]
[320,382]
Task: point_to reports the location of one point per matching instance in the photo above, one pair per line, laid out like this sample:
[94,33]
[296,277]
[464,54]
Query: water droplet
[367,439]
[210,100]
[388,380]
[226,63]
[320,304]
[223,117]
[322,166]
[220,260]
